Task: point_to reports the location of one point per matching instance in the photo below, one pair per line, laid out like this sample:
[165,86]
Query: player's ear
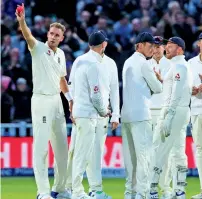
[62,38]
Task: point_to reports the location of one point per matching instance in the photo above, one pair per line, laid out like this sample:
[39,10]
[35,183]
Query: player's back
[136,93]
[83,106]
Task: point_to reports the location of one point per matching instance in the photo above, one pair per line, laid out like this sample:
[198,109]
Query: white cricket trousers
[175,142]
[137,148]
[49,124]
[93,170]
[94,167]
[85,138]
[166,175]
[197,137]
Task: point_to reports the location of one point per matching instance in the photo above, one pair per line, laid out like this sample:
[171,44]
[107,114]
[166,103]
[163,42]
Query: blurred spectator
[5,48]
[17,41]
[13,68]
[6,105]
[122,30]
[22,101]
[179,28]
[39,30]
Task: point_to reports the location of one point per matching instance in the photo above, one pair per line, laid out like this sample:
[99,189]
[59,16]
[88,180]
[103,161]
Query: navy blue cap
[159,40]
[144,37]
[96,38]
[200,36]
[179,41]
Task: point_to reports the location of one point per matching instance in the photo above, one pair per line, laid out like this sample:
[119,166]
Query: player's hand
[158,75]
[70,106]
[20,12]
[195,90]
[200,76]
[72,119]
[114,125]
[109,114]
[200,88]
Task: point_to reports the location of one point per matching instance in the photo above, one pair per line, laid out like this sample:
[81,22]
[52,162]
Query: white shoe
[167,195]
[154,195]
[139,196]
[83,196]
[180,195]
[62,195]
[133,195]
[99,195]
[128,196]
[43,196]
[198,196]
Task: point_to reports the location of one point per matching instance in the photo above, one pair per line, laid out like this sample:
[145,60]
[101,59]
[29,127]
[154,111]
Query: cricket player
[49,71]
[161,65]
[139,81]
[91,87]
[175,115]
[196,109]
[111,91]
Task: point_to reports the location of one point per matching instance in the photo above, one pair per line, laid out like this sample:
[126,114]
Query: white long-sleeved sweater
[93,82]
[196,101]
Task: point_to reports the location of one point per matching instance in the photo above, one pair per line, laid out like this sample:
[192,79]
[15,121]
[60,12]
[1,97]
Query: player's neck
[200,56]
[157,59]
[99,52]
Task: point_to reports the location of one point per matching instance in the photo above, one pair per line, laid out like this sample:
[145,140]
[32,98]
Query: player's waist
[46,94]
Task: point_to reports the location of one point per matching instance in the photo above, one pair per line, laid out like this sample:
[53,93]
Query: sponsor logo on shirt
[177,77]
[44,119]
[96,89]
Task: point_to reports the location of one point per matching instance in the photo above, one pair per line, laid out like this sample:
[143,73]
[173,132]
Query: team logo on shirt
[177,77]
[58,60]
[49,52]
[69,83]
[96,89]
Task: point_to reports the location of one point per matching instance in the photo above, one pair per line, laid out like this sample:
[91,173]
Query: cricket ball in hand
[20,9]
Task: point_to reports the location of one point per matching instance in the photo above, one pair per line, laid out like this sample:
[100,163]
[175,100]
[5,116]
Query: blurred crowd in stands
[121,20]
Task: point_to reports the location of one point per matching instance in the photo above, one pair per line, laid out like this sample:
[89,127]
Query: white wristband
[68,96]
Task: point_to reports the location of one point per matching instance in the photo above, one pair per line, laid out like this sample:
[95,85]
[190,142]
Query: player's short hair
[58,25]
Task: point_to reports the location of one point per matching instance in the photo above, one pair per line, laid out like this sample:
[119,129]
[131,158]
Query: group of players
[93,96]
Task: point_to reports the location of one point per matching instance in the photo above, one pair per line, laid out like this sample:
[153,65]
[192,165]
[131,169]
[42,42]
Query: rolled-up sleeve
[95,89]
[154,84]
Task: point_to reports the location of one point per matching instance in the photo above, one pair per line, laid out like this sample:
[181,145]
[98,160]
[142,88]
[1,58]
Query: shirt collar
[140,54]
[97,55]
[177,58]
[198,58]
[55,52]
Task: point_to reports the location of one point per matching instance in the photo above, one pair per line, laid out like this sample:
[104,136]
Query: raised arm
[24,28]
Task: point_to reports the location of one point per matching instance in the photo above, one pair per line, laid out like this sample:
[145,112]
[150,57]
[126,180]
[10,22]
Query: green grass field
[25,188]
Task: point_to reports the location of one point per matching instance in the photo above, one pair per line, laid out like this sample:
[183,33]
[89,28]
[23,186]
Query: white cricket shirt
[94,78]
[139,80]
[196,68]
[47,69]
[163,66]
[177,84]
